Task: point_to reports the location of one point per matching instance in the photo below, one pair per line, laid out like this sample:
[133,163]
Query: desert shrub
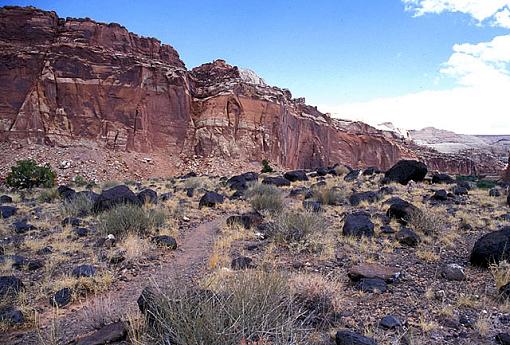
[265,197]
[198,182]
[341,170]
[330,195]
[500,273]
[131,219]
[48,195]
[27,174]
[297,227]
[79,181]
[249,306]
[486,184]
[266,168]
[79,206]
[428,221]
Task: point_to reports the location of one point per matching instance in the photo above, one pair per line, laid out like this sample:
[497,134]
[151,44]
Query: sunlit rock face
[67,82]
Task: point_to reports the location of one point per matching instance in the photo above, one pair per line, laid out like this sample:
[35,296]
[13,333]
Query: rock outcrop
[76,82]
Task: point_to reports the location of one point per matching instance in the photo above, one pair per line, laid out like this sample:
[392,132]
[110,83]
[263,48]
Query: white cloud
[477,105]
[495,11]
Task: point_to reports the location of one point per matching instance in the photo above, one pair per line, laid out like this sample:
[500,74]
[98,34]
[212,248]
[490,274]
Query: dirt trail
[188,260]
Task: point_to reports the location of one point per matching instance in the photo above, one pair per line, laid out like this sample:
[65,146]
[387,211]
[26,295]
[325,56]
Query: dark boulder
[307,193]
[165,196]
[165,241]
[11,316]
[491,248]
[460,190]
[21,226]
[61,298]
[358,224]
[277,181]
[407,237]
[210,199]
[353,175]
[296,175]
[73,221]
[352,338]
[405,171]
[84,271]
[401,210]
[16,261]
[240,182]
[371,171]
[115,196]
[114,333]
[247,220]
[65,192]
[5,199]
[440,195]
[494,192]
[372,285]
[322,171]
[7,211]
[148,196]
[81,232]
[503,338]
[357,198]
[87,194]
[390,322]
[453,272]
[241,263]
[442,178]
[10,286]
[508,200]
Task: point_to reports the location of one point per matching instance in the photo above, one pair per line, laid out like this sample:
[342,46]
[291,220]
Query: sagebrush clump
[265,197]
[131,219]
[27,174]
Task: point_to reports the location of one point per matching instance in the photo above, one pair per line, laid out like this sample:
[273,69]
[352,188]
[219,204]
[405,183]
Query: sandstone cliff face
[79,82]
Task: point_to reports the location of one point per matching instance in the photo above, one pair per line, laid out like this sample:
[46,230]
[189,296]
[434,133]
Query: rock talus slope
[76,82]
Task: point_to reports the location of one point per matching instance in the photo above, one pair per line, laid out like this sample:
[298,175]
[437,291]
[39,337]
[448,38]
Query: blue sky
[339,54]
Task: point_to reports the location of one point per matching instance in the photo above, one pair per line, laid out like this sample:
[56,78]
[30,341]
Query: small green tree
[27,174]
[266,168]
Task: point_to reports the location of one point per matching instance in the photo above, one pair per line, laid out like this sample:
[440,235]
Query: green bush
[27,174]
[248,307]
[264,197]
[126,219]
[266,168]
[486,184]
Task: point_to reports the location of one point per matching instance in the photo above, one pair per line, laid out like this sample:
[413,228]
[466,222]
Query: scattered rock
[386,229]
[81,232]
[407,237]
[494,192]
[117,195]
[11,316]
[405,171]
[357,198]
[247,220]
[440,195]
[352,176]
[61,298]
[276,181]
[73,221]
[7,211]
[5,199]
[373,285]
[84,271]
[442,178]
[109,334]
[165,196]
[453,272]
[373,270]
[401,210]
[460,190]
[358,224]
[503,338]
[390,322]
[371,171]
[165,241]
[241,263]
[148,196]
[351,338]
[210,199]
[21,226]
[65,192]
[296,175]
[491,248]
[10,286]
[240,182]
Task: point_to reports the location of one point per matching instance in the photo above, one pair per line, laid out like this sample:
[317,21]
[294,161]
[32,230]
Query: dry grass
[427,255]
[220,256]
[135,248]
[483,324]
[125,219]
[265,198]
[500,273]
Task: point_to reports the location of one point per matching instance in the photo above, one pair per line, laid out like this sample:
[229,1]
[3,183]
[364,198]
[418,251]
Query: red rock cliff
[79,82]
